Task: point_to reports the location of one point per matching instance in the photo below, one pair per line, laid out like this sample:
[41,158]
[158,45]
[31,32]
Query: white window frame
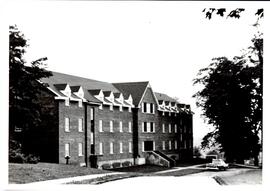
[175,145]
[175,128]
[80,124]
[111,107]
[80,149]
[120,147]
[101,148]
[170,128]
[163,128]
[129,127]
[92,138]
[129,147]
[80,103]
[129,109]
[111,126]
[181,137]
[120,126]
[170,145]
[100,126]
[91,113]
[148,107]
[121,108]
[111,147]
[67,149]
[67,102]
[67,124]
[163,145]
[142,146]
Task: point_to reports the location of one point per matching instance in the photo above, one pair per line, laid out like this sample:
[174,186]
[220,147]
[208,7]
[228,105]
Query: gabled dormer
[119,97]
[78,91]
[97,93]
[109,96]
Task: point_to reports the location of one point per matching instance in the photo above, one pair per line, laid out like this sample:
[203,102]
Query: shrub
[106,166]
[116,165]
[126,163]
[32,159]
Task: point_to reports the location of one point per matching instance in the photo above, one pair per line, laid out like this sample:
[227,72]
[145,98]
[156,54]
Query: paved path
[180,168]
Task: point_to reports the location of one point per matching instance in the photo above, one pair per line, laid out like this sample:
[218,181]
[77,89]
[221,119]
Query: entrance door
[148,145]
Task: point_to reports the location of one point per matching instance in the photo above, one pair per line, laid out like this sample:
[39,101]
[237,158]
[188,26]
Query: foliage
[116,164]
[235,13]
[197,152]
[126,163]
[24,88]
[106,166]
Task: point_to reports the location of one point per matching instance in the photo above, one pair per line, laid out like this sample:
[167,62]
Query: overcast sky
[165,43]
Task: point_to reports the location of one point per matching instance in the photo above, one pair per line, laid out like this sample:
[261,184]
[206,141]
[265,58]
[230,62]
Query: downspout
[85,135]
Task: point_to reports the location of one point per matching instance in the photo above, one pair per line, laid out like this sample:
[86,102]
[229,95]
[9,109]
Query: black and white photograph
[117,95]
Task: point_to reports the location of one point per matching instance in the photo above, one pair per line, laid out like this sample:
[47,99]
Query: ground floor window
[67,151]
[100,148]
[163,145]
[80,149]
[111,147]
[130,147]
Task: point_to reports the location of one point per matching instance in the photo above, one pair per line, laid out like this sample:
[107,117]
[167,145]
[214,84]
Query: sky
[165,43]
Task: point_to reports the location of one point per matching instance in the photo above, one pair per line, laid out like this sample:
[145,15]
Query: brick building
[100,124]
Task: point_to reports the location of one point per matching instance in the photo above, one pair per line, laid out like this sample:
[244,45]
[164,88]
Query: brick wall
[74,137]
[106,137]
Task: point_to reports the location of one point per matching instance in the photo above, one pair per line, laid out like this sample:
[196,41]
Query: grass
[181,172]
[26,173]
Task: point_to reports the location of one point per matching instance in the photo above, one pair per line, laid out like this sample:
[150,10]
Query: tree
[197,152]
[24,87]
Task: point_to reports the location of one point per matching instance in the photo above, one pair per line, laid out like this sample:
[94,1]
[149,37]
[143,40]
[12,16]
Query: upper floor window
[111,147]
[148,127]
[101,148]
[67,124]
[120,108]
[148,108]
[163,128]
[80,125]
[163,145]
[111,107]
[120,147]
[129,147]
[92,114]
[100,126]
[170,128]
[175,144]
[120,126]
[80,149]
[175,128]
[129,127]
[111,126]
[170,145]
[67,149]
[100,107]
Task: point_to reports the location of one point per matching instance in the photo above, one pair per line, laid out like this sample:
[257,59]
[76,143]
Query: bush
[106,166]
[126,163]
[116,165]
[17,156]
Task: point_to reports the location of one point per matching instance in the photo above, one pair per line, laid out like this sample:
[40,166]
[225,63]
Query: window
[111,126]
[67,149]
[175,128]
[121,147]
[149,145]
[163,128]
[163,145]
[80,149]
[111,107]
[100,107]
[129,127]
[67,102]
[80,125]
[163,113]
[100,148]
[190,144]
[92,114]
[169,113]
[92,138]
[185,128]
[129,109]
[80,103]
[152,108]
[152,127]
[181,137]
[170,128]
[170,145]
[120,108]
[148,127]
[175,114]
[100,126]
[175,144]
[145,107]
[111,147]
[66,124]
[148,107]
[185,144]
[143,146]
[129,147]
[120,127]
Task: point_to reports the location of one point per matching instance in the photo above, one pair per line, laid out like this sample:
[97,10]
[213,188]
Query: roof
[136,89]
[89,84]
[164,97]
[75,88]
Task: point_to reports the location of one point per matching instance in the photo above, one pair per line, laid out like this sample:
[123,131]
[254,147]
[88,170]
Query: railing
[158,158]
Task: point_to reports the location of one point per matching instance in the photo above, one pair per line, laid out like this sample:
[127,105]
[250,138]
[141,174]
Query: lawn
[141,169]
[26,173]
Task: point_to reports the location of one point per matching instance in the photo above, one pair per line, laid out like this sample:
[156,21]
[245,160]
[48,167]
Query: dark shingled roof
[60,86]
[161,96]
[60,78]
[94,92]
[136,89]
[107,93]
